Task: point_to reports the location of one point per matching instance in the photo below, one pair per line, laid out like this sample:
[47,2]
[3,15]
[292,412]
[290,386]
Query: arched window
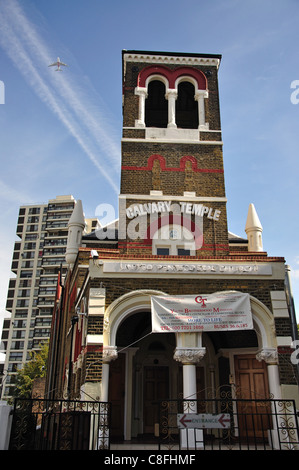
[156,106]
[186,107]
[173,240]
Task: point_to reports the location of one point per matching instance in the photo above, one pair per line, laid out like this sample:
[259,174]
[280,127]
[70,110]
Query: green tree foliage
[33,369]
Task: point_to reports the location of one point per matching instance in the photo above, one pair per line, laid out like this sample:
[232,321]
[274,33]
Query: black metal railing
[226,423]
[60,425]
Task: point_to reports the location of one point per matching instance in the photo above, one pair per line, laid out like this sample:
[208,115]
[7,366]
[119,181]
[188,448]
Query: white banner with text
[221,311]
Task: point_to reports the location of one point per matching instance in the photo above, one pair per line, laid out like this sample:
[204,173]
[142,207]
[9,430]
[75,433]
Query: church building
[165,302]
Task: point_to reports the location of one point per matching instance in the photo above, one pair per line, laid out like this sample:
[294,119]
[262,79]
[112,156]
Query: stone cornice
[164,58]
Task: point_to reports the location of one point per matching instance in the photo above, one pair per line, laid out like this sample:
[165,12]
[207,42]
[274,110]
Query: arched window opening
[186,107]
[156,105]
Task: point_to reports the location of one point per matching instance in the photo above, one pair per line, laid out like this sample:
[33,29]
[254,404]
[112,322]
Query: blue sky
[60,132]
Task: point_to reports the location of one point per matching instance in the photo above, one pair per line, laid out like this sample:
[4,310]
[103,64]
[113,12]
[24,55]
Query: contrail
[28,51]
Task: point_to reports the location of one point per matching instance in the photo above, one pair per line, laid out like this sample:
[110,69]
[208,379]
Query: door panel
[155,388]
[252,384]
[117,396]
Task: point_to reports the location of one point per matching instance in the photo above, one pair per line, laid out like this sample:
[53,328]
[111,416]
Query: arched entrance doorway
[145,359]
[143,374]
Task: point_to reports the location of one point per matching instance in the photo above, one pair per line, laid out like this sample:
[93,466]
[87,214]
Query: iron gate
[218,424]
[59,425]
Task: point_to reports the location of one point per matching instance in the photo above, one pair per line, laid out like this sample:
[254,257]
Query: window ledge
[173,133]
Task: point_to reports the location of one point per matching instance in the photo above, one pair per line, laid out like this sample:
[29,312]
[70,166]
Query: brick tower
[172,179]
[133,298]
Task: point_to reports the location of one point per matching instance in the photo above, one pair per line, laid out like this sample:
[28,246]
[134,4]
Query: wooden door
[117,396]
[252,384]
[155,388]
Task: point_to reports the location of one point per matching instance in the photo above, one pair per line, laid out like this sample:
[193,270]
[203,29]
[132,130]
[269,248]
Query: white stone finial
[253,229]
[76,226]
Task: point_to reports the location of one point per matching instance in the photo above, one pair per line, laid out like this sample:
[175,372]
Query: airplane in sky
[58,64]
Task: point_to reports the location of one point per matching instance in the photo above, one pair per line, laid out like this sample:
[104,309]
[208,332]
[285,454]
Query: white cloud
[11,194]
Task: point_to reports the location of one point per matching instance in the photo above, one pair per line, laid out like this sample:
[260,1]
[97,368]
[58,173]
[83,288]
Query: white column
[142,93]
[189,382]
[171,96]
[189,357]
[109,355]
[200,96]
[270,356]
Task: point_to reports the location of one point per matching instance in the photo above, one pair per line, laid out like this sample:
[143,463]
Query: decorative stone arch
[264,326]
[172,75]
[171,79]
[160,77]
[188,354]
[139,300]
[126,305]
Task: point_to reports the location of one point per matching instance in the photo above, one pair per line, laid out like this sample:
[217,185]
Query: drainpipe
[291,305]
[74,320]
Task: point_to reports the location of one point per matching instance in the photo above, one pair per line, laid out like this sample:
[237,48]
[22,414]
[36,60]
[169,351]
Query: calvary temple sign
[220,311]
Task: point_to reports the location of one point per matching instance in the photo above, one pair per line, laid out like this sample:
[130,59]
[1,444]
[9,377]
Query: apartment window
[32,228]
[16,356]
[31,236]
[28,255]
[47,291]
[34,210]
[26,274]
[43,321]
[48,281]
[25,283]
[29,246]
[20,324]
[27,264]
[13,367]
[42,332]
[21,314]
[18,334]
[45,311]
[23,303]
[24,292]
[33,219]
[17,345]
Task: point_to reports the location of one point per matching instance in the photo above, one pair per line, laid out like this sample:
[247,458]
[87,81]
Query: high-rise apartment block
[38,256]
